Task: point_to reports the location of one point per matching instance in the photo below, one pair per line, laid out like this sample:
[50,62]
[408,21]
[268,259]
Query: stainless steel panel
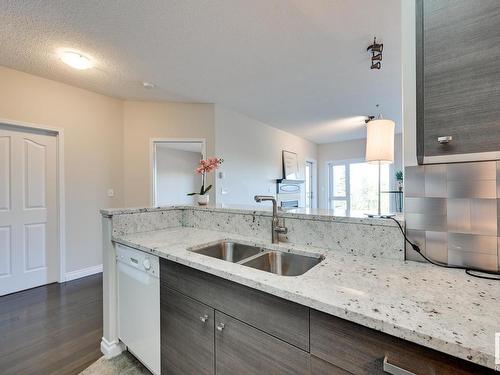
[436,246]
[414,181]
[472,243]
[472,171]
[498,179]
[498,252]
[426,222]
[483,216]
[498,217]
[418,237]
[428,206]
[435,181]
[458,215]
[471,259]
[472,189]
[453,212]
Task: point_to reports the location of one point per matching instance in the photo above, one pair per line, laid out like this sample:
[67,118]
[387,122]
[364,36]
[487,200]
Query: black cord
[468,270]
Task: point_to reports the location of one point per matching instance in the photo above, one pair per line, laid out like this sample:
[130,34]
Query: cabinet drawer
[187,335]
[242,349]
[276,316]
[361,350]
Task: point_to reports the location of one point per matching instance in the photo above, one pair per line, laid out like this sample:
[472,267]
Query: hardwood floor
[53,329]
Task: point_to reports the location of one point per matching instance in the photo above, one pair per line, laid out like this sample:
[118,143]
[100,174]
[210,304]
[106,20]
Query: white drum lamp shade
[380,141]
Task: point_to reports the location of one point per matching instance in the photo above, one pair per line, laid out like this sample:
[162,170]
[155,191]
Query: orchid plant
[206,166]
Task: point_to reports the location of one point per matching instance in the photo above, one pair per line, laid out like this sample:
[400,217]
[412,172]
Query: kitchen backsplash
[360,236]
[452,211]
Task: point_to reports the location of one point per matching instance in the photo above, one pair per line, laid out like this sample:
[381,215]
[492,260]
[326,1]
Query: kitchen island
[363,280]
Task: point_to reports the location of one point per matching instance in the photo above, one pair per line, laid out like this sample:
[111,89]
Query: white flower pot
[203,199]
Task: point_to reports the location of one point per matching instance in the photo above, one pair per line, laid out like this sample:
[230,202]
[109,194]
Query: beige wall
[146,120]
[92,125]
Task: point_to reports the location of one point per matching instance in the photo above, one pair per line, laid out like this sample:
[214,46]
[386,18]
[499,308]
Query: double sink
[277,262]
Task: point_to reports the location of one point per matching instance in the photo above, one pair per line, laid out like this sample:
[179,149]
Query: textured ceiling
[298,65]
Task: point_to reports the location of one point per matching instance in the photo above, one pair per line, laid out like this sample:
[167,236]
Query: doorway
[173,175]
[309,184]
[29,218]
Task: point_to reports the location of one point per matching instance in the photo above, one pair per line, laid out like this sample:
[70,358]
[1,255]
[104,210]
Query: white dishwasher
[139,305]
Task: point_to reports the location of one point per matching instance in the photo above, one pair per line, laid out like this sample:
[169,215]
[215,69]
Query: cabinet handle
[220,327]
[204,318]
[445,139]
[395,370]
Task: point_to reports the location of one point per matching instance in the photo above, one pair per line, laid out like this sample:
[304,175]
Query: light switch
[111,193]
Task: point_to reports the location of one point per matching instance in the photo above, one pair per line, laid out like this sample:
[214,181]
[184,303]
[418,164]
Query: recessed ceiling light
[76,60]
[148,85]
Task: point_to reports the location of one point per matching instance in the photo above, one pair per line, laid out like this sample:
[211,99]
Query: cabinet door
[458,79]
[361,351]
[242,349]
[187,335]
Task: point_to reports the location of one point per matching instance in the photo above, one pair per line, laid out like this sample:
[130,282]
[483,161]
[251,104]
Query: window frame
[347,165]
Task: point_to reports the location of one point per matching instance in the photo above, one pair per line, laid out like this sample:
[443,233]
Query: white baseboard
[73,275]
[111,349]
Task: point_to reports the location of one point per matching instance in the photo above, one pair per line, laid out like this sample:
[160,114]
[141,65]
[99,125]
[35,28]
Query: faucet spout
[275,227]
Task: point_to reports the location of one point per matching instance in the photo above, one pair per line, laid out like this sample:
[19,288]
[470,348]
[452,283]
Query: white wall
[252,156]
[93,140]
[175,176]
[409,82]
[347,150]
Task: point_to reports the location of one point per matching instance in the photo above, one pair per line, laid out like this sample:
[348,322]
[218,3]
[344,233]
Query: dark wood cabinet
[212,325]
[276,316]
[361,350]
[243,349]
[320,367]
[458,79]
[187,335]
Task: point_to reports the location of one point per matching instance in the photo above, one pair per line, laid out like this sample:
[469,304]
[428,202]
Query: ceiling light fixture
[148,85]
[76,60]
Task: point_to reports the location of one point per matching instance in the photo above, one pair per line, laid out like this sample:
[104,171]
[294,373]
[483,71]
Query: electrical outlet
[111,193]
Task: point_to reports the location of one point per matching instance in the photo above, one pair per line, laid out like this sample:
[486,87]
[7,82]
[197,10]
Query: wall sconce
[376,50]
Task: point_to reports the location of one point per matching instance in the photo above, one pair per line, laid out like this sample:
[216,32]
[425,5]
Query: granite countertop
[264,210]
[442,309]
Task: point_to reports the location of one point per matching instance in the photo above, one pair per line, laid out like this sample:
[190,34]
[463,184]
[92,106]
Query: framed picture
[290,165]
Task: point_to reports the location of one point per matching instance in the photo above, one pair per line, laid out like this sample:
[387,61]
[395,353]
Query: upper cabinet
[458,80]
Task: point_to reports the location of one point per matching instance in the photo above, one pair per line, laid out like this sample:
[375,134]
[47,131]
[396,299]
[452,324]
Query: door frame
[152,159]
[59,134]
[314,181]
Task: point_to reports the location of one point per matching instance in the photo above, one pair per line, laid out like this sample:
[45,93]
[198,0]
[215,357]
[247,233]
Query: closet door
[29,243]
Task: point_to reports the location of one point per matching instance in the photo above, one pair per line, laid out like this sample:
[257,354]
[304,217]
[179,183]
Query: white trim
[73,275]
[152,159]
[59,134]
[458,158]
[111,349]
[314,181]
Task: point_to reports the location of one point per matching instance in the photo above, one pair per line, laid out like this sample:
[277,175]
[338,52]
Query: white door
[29,254]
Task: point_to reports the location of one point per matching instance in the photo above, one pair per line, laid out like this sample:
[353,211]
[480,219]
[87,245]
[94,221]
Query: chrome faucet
[275,227]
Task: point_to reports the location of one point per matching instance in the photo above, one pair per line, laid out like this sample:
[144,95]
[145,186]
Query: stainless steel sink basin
[229,251]
[285,264]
